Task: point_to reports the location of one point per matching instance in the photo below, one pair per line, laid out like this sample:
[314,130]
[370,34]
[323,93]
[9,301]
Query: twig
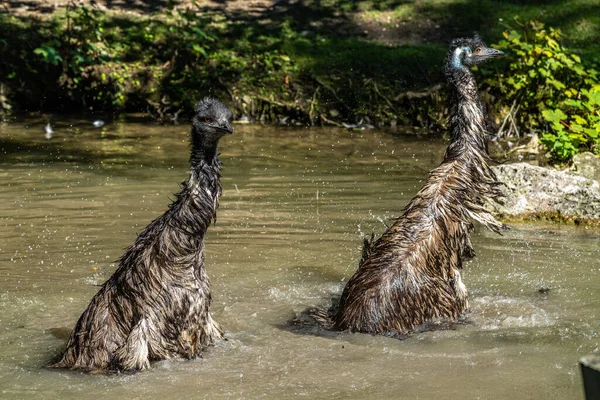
[566,125]
[512,120]
[274,102]
[499,134]
[417,95]
[383,97]
[311,110]
[343,104]
[4,104]
[325,119]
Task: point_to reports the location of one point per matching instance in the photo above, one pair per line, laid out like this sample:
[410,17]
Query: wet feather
[410,276]
[156,304]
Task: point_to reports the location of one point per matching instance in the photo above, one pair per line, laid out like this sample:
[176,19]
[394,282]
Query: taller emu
[410,275]
[156,305]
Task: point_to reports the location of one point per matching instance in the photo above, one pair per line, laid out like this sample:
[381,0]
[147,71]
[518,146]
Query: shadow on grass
[276,59]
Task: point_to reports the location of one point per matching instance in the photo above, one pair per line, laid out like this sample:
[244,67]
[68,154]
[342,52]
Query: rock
[533,191]
[588,165]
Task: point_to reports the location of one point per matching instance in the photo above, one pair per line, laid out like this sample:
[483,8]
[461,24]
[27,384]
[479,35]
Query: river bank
[291,62]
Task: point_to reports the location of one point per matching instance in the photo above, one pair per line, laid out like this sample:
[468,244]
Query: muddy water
[295,206]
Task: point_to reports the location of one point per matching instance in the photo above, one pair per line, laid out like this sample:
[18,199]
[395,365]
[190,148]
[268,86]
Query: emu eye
[208,121]
[478,50]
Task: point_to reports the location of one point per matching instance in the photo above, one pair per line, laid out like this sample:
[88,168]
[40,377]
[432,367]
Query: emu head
[211,122]
[468,52]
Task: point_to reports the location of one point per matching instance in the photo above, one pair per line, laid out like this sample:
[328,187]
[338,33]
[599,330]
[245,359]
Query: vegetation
[308,62]
[86,58]
[549,89]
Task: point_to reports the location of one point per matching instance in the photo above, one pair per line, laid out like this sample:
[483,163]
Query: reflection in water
[295,206]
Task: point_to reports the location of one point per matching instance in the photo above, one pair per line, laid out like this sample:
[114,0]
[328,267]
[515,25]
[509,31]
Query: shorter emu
[156,304]
[410,276]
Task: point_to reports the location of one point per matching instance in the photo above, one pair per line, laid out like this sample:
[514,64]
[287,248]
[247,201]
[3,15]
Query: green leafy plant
[578,130]
[49,54]
[113,63]
[91,57]
[547,88]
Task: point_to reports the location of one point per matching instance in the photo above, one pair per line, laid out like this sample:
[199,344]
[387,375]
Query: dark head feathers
[212,120]
[210,107]
[468,52]
[211,113]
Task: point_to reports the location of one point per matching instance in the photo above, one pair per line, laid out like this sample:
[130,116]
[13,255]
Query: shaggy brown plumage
[156,305]
[411,274]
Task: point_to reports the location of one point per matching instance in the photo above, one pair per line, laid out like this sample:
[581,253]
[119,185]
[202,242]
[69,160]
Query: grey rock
[588,165]
[538,191]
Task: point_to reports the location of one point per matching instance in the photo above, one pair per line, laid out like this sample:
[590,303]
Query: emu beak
[493,52]
[225,127]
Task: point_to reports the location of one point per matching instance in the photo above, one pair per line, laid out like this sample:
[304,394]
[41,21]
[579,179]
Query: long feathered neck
[467,121]
[201,192]
[204,150]
[179,233]
[464,181]
[467,153]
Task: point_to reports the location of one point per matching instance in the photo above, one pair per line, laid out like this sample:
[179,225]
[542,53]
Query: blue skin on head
[458,56]
[468,53]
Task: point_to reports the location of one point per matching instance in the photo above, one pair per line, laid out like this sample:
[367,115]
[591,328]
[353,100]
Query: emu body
[411,274]
[156,304]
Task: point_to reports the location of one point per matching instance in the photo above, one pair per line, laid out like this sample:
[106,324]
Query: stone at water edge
[532,190]
[587,165]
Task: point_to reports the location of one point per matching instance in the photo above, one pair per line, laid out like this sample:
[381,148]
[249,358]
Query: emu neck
[204,151]
[467,121]
[199,197]
[204,185]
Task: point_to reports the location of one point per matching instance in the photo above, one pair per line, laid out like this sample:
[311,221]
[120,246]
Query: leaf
[558,85]
[202,34]
[573,103]
[199,49]
[552,43]
[41,51]
[577,128]
[49,54]
[593,133]
[593,97]
[554,116]
[79,59]
[579,71]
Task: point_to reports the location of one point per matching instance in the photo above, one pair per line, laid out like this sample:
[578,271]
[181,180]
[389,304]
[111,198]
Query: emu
[410,276]
[156,304]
